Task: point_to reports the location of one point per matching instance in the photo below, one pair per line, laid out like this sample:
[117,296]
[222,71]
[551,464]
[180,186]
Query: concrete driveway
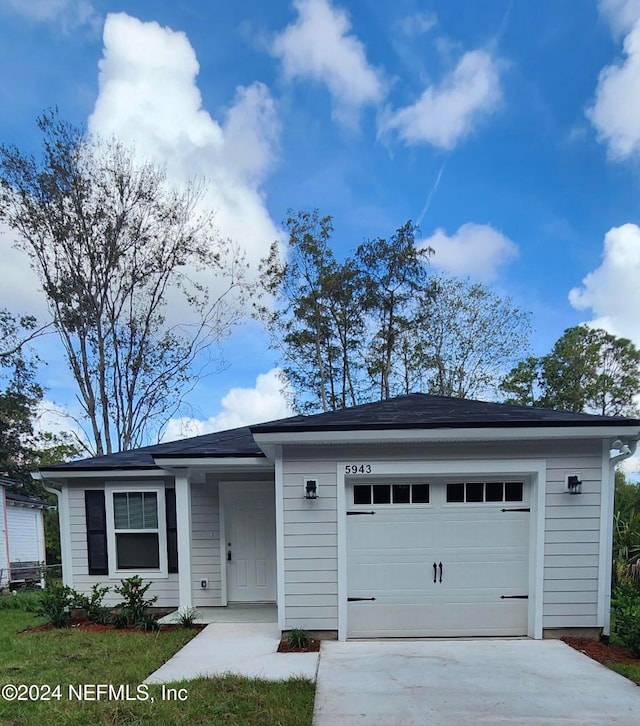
[455,682]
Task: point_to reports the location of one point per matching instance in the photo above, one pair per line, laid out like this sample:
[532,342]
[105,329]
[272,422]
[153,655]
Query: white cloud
[621,14]
[615,113]
[53,418]
[475,250]
[445,114]
[318,46]
[611,291]
[149,97]
[70,14]
[240,407]
[20,290]
[417,24]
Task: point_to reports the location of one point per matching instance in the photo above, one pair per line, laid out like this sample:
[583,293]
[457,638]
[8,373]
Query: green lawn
[75,657]
[632,672]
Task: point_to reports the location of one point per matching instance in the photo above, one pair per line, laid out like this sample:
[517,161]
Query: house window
[138,531]
[135,518]
[391,494]
[491,491]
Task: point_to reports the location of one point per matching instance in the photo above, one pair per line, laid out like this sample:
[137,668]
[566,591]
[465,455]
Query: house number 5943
[357,469]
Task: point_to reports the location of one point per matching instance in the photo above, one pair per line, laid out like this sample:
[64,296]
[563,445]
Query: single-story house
[22,542]
[417,516]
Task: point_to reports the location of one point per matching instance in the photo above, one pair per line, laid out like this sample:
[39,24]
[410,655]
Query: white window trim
[127,488]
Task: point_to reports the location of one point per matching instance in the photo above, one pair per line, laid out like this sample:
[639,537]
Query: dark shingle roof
[23,499]
[415,411]
[424,411]
[235,442]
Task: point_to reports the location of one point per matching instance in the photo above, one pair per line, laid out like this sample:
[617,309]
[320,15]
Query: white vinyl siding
[26,534]
[310,545]
[572,524]
[572,539]
[205,549]
[165,588]
[4,539]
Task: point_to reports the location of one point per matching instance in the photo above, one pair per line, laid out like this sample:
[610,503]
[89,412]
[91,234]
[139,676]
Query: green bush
[187,617]
[93,605]
[56,603]
[133,611]
[298,638]
[626,616]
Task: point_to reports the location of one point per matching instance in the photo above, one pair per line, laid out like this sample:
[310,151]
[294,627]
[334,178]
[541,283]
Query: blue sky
[508,129]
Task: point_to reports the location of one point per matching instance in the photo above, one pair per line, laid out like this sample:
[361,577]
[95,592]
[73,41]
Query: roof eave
[96,473]
[487,433]
[256,461]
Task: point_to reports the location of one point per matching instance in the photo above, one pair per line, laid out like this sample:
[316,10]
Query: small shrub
[187,617]
[298,638]
[120,620]
[56,603]
[93,605]
[148,622]
[133,610]
[626,616]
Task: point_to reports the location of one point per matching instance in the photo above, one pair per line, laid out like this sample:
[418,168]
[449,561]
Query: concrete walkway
[245,649]
[460,683]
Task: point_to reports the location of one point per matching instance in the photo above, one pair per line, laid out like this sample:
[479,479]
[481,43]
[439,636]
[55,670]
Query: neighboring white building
[414,517]
[22,542]
[4,540]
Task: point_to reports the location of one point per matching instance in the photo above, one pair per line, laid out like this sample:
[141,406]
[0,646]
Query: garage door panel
[437,619]
[485,562]
[399,576]
[477,575]
[383,533]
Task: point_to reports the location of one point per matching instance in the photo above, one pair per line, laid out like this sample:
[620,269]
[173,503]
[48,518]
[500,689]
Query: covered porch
[225,517]
[233,613]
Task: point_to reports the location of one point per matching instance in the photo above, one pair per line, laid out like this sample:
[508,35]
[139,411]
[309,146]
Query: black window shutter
[96,532]
[172,530]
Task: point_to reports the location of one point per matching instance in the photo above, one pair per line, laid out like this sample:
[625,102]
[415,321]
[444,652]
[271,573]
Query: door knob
[229,556]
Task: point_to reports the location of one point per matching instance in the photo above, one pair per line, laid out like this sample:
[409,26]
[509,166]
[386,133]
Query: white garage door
[437,559]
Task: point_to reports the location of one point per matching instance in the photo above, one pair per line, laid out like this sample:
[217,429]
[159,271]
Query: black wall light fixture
[310,489]
[574,484]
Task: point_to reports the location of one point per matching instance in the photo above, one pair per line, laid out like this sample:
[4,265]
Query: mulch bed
[602,652]
[79,623]
[313,647]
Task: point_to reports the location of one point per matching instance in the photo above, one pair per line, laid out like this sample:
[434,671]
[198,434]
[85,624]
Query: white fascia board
[96,474]
[229,462]
[453,434]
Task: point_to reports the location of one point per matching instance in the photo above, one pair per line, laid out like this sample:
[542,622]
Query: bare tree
[467,337]
[113,243]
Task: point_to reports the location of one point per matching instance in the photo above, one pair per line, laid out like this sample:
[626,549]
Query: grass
[72,656]
[628,670]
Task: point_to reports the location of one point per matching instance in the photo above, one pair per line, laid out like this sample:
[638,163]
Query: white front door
[250,541]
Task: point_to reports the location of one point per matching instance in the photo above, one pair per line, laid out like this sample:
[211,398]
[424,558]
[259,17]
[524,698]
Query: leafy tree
[587,370]
[344,307]
[22,449]
[393,271]
[111,242]
[467,337]
[19,394]
[300,324]
[522,383]
[627,496]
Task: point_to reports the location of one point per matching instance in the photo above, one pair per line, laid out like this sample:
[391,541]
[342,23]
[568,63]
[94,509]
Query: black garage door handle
[435,572]
[441,572]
